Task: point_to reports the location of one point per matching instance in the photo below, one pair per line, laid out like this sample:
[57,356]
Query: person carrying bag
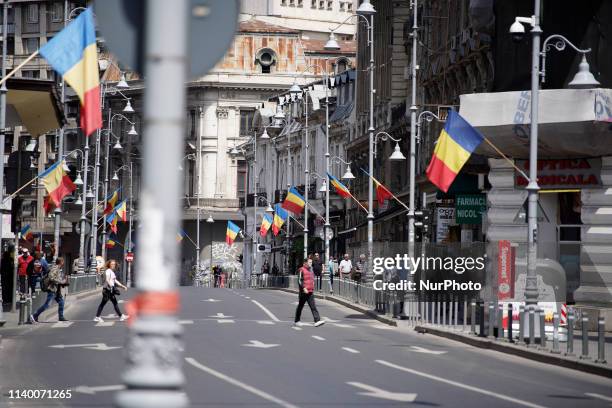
[110,291]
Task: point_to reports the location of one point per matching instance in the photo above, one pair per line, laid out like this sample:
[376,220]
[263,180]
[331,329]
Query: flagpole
[507,159]
[14,71]
[357,201]
[386,189]
[19,190]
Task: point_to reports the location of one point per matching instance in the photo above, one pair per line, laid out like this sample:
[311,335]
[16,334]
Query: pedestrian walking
[360,268]
[317,268]
[266,273]
[110,291]
[53,283]
[331,269]
[22,271]
[306,286]
[7,272]
[345,268]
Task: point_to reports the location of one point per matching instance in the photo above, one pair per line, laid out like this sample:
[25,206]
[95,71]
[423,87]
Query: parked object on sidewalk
[56,281]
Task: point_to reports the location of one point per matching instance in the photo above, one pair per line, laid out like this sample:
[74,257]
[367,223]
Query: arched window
[265,58]
[342,64]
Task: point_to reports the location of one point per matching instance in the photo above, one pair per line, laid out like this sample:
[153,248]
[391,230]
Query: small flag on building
[27,233]
[294,201]
[382,194]
[456,143]
[180,235]
[110,243]
[57,183]
[280,216]
[111,219]
[73,53]
[341,189]
[231,233]
[266,223]
[121,210]
[111,201]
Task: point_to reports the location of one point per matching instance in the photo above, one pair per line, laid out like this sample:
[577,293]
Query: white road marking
[121,301]
[240,384]
[318,338]
[327,319]
[225,321]
[460,385]
[602,397]
[210,300]
[259,344]
[346,326]
[383,394]
[247,297]
[350,350]
[220,316]
[185,322]
[266,311]
[104,324]
[85,389]
[418,349]
[91,346]
[110,316]
[296,328]
[60,325]
[265,322]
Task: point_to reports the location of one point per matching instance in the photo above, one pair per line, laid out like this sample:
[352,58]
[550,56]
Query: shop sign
[445,217]
[470,207]
[563,173]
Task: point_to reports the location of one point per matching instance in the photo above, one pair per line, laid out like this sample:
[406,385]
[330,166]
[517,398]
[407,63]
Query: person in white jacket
[109,291]
[345,267]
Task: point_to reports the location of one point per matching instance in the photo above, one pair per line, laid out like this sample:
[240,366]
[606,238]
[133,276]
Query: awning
[572,122]
[34,104]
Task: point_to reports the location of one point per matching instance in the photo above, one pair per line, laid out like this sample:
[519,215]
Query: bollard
[28,309]
[555,348]
[473,319]
[491,328]
[464,315]
[444,312]
[532,312]
[510,322]
[22,307]
[570,332]
[500,321]
[438,311]
[585,337]
[482,320]
[456,312]
[521,339]
[542,329]
[601,340]
[426,310]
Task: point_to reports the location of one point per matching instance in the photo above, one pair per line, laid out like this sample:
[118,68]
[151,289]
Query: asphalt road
[240,350]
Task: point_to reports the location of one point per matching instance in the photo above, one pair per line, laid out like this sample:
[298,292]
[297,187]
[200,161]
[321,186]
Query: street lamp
[348,174]
[397,153]
[128,107]
[582,79]
[364,10]
[122,82]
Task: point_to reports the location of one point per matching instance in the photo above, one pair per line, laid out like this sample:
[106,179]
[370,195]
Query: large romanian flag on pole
[231,233]
[57,183]
[73,54]
[280,216]
[266,223]
[294,201]
[340,188]
[456,143]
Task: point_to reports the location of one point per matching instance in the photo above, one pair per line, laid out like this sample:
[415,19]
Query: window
[51,74]
[57,12]
[191,131]
[292,3]
[341,6]
[300,3]
[241,178]
[349,7]
[32,13]
[330,4]
[313,4]
[30,45]
[321,4]
[30,73]
[246,121]
[265,58]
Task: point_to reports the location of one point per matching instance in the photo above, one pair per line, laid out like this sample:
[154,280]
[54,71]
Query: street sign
[264,248]
[212,27]
[469,208]
[129,256]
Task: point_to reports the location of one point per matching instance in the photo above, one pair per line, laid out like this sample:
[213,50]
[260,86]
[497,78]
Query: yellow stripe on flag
[450,152]
[83,76]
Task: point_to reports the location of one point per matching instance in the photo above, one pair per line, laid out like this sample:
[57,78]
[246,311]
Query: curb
[367,312]
[542,357]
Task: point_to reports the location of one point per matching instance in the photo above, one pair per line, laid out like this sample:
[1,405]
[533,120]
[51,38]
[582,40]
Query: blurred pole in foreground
[153,376]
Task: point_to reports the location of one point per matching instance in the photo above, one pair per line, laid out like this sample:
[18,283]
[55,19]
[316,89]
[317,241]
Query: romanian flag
[294,201]
[180,235]
[266,223]
[456,143]
[280,216]
[112,219]
[232,232]
[57,182]
[121,210]
[382,194]
[111,201]
[340,188]
[110,243]
[73,54]
[27,233]
[48,205]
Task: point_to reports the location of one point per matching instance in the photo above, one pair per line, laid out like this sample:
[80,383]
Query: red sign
[505,270]
[563,173]
[129,256]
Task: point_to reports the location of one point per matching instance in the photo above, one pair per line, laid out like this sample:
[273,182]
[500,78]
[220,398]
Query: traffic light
[422,223]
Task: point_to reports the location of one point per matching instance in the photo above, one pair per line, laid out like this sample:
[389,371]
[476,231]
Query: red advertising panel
[505,270]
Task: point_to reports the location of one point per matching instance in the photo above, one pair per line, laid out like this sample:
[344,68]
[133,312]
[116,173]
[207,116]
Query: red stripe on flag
[293,207]
[439,174]
[66,187]
[382,194]
[91,112]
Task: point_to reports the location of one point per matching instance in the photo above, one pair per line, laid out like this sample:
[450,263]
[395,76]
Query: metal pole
[570,333]
[3,92]
[94,211]
[81,264]
[371,152]
[131,219]
[306,173]
[601,340]
[255,199]
[531,284]
[106,180]
[153,377]
[327,225]
[413,120]
[199,193]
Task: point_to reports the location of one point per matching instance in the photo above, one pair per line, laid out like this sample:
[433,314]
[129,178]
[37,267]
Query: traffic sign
[129,256]
[212,27]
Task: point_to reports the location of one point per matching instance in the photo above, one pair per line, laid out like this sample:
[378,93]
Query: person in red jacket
[24,260]
[306,284]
